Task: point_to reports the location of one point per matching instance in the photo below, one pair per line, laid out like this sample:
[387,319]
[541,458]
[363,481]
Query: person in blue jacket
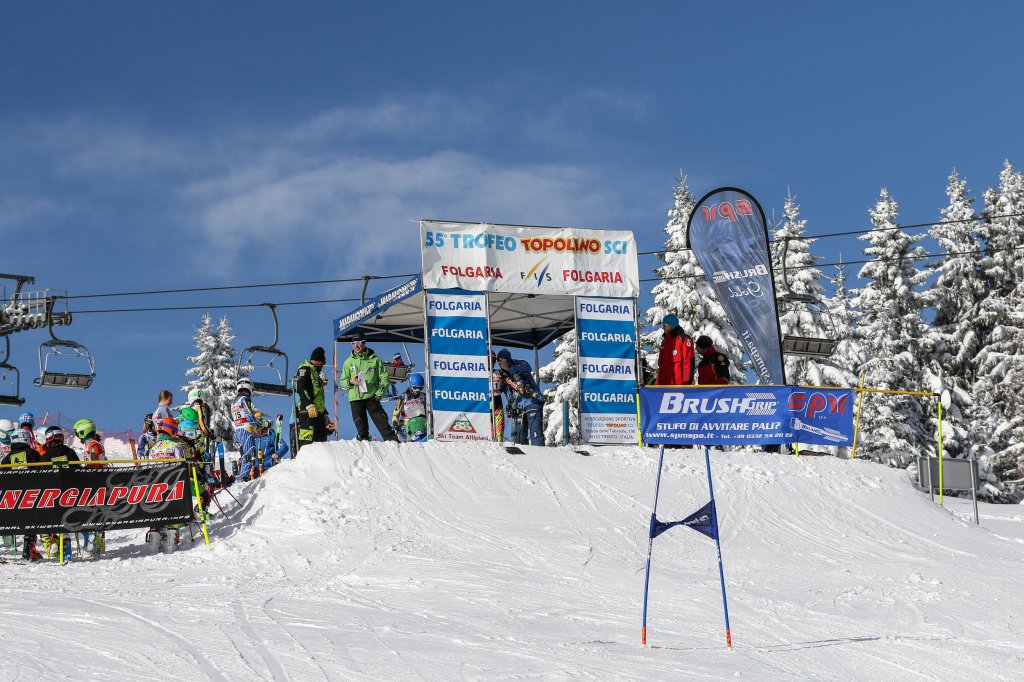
[523,398]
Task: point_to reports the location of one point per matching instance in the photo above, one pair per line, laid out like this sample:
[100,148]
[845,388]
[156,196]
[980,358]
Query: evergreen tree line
[951,324]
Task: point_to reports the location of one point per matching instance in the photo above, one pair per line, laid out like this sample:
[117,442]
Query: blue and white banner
[606,347]
[345,324]
[729,238]
[747,415]
[459,379]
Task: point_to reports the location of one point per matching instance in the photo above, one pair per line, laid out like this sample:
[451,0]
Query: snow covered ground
[371,561]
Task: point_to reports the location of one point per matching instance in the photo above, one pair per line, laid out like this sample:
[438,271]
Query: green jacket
[372,367]
[308,388]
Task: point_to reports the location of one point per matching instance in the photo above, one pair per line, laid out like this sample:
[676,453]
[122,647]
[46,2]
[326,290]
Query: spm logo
[540,276]
[811,404]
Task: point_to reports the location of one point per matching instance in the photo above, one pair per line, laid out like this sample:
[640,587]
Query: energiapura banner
[606,346]
[529,260]
[457,365]
[729,238]
[747,415]
[40,500]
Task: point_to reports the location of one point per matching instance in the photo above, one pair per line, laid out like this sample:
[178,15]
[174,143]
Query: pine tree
[999,386]
[951,343]
[800,276]
[893,426]
[562,371]
[684,290]
[215,373]
[846,361]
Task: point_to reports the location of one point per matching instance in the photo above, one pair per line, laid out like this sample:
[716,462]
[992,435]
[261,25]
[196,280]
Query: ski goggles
[358,344]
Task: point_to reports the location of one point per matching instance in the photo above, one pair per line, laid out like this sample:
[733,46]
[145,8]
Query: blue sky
[168,145]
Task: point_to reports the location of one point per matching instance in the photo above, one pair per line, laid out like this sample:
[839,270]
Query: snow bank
[435,561]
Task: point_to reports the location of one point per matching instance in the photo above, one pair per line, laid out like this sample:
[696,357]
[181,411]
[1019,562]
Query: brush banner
[41,500]
[729,237]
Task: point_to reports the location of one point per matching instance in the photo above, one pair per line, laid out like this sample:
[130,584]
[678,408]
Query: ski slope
[373,561]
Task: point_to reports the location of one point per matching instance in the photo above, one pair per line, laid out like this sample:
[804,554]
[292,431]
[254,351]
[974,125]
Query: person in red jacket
[713,367]
[675,360]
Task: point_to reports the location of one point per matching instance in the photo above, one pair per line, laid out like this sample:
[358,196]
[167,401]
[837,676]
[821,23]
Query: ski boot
[29,552]
[99,544]
[169,539]
[154,538]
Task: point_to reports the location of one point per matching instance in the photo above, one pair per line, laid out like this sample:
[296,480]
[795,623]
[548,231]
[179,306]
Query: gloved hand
[311,411]
[503,373]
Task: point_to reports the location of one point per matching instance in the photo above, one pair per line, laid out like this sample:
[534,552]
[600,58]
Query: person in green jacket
[313,422]
[367,382]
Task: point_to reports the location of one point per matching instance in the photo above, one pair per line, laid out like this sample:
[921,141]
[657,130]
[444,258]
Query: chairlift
[51,351]
[6,397]
[268,355]
[809,346]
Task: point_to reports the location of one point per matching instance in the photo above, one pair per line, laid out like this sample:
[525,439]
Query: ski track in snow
[372,561]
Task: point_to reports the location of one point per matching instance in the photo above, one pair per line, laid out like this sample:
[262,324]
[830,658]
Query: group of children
[22,445]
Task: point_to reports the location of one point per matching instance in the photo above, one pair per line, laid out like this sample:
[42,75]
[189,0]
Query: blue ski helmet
[27,418]
[416,380]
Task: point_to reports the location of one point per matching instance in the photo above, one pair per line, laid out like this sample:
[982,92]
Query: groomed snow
[371,561]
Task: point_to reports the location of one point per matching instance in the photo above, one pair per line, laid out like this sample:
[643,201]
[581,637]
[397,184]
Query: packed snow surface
[374,561]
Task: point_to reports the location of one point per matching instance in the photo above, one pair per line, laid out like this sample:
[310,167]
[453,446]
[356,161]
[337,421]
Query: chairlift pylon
[55,348]
[6,398]
[788,301]
[274,354]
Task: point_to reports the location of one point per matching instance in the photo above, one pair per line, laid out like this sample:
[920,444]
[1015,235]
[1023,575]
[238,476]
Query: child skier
[21,454]
[60,456]
[165,538]
[94,457]
[409,417]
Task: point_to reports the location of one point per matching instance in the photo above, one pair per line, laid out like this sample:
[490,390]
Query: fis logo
[538,274]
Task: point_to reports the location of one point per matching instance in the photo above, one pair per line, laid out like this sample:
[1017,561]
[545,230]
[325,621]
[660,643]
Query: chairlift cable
[215,307]
[240,286]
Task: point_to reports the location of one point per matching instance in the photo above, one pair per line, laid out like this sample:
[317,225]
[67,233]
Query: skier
[39,440]
[27,422]
[367,383]
[204,411]
[314,423]
[713,367]
[410,414]
[60,455]
[675,359]
[165,538]
[497,404]
[21,454]
[247,425]
[94,457]
[280,442]
[6,427]
[147,438]
[191,433]
[524,398]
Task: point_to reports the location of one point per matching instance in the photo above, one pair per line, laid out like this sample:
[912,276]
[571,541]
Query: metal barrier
[935,474]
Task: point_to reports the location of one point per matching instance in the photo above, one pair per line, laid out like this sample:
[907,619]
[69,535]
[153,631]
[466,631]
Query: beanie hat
[671,320]
[318,355]
[504,354]
[704,342]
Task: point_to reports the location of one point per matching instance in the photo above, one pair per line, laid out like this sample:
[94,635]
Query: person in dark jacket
[310,406]
[675,360]
[21,454]
[713,367]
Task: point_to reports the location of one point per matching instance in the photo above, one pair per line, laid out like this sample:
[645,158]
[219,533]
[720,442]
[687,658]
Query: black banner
[78,498]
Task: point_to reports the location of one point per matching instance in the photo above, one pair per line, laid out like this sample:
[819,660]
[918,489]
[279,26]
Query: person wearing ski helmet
[57,452]
[205,412]
[247,424]
[21,453]
[85,429]
[367,382]
[39,438]
[147,438]
[410,414]
[314,424]
[6,428]
[523,398]
[27,422]
[168,445]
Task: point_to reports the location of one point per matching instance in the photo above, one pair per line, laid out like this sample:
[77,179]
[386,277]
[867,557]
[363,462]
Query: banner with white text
[746,415]
[606,354]
[529,260]
[457,366]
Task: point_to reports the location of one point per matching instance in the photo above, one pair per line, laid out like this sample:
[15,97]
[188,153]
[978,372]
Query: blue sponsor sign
[367,311]
[746,415]
[606,347]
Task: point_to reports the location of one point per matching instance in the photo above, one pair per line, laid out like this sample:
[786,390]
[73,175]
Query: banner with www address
[606,348]
[747,415]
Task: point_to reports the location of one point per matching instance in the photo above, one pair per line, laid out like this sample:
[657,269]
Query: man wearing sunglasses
[367,381]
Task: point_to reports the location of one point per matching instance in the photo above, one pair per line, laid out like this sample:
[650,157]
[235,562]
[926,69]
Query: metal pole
[940,451]
[650,545]
[718,547]
[974,488]
[565,422]
[337,429]
[856,425]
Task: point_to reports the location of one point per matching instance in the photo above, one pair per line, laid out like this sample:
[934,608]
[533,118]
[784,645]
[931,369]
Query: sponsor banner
[459,379]
[529,260]
[746,415]
[369,310]
[41,500]
[606,347]
[729,238]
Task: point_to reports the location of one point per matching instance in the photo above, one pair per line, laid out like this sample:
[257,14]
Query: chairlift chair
[58,348]
[270,355]
[809,346]
[7,398]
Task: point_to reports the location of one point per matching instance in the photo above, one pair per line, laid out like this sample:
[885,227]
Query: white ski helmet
[194,395]
[244,384]
[40,434]
[6,425]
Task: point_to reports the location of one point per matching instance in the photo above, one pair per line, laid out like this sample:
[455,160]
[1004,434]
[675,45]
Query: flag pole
[718,546]
[650,545]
